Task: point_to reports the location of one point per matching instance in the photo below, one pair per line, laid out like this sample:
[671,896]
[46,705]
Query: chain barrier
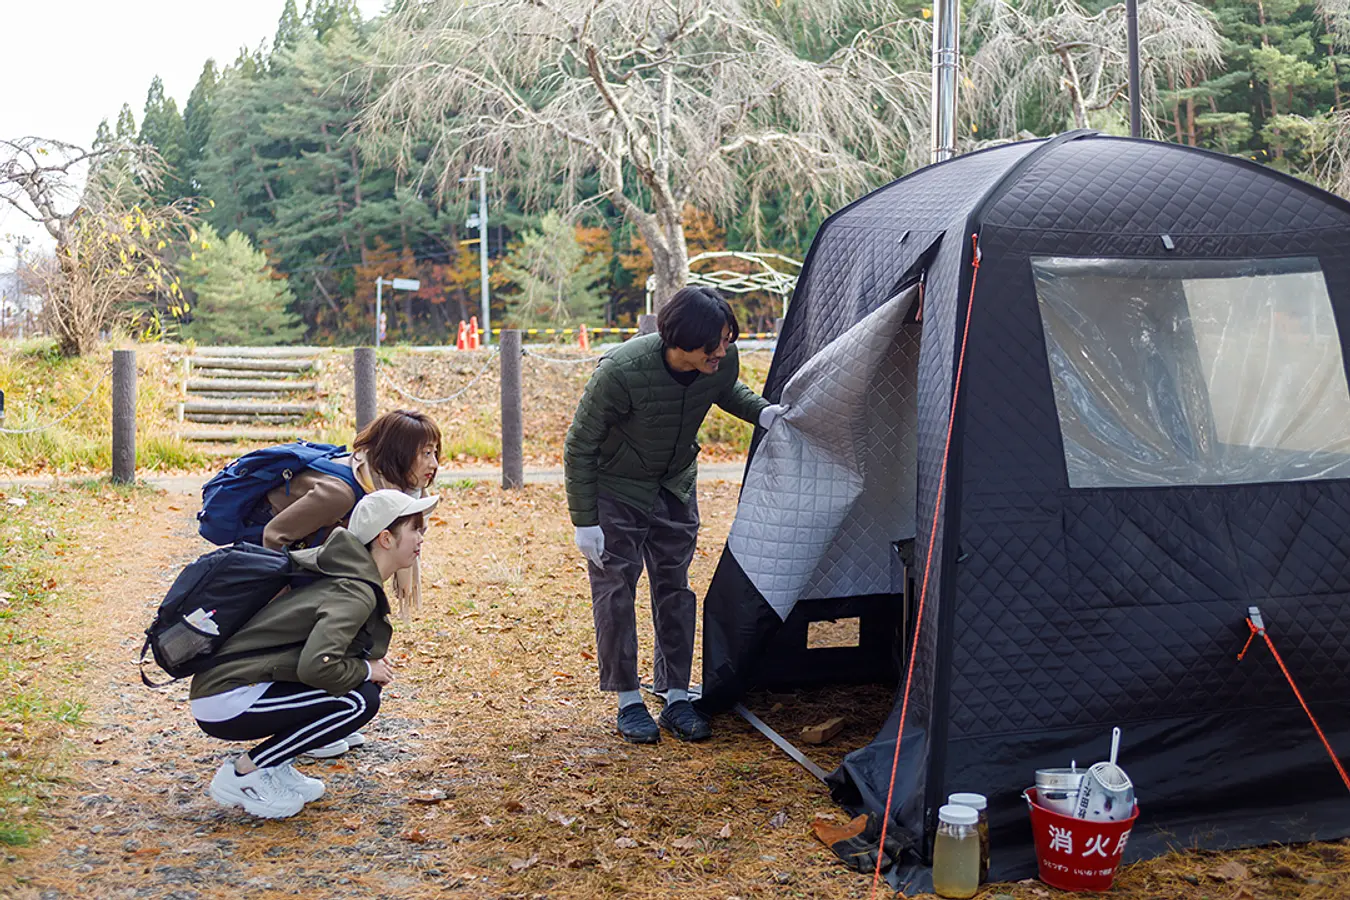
[456,395]
[560,360]
[68,413]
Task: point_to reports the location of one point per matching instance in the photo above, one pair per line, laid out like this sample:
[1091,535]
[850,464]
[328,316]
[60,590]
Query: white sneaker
[309,789]
[258,792]
[354,740]
[328,751]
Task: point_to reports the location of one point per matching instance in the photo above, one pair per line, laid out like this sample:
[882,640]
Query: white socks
[628,698]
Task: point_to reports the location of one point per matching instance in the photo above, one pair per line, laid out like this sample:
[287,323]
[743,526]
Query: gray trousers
[664,539]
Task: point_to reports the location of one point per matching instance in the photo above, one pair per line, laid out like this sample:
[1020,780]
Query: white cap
[958,815]
[377,510]
[974,801]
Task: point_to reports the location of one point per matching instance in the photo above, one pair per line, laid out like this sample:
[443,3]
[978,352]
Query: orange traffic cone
[473,333]
[462,342]
[583,338]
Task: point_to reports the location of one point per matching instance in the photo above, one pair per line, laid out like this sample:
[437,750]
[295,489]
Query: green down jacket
[342,618]
[635,427]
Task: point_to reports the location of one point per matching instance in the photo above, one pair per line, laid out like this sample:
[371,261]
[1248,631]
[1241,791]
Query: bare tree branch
[670,102]
[1035,53]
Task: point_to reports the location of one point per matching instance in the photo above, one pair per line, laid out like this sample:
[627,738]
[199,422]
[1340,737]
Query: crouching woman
[314,659]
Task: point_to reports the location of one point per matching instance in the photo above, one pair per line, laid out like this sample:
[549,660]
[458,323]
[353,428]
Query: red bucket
[1075,854]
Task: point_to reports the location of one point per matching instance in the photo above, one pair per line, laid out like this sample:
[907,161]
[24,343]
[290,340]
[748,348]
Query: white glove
[591,543]
[770,414]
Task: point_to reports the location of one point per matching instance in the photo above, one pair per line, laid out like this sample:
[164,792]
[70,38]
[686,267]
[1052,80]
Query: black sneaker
[682,720]
[636,725]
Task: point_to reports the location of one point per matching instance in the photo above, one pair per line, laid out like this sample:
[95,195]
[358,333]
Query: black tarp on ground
[1128,297]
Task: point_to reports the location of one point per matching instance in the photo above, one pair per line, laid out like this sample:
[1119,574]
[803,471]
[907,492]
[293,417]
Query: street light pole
[481,223]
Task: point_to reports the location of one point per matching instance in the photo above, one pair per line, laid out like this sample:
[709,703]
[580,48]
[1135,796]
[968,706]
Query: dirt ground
[493,769]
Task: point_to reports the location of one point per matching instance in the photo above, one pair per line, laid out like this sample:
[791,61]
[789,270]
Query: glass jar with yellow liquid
[980,804]
[956,853]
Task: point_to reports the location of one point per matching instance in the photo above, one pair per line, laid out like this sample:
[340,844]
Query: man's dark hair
[693,320]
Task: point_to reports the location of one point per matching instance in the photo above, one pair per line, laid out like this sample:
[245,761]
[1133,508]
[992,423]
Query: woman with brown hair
[401,450]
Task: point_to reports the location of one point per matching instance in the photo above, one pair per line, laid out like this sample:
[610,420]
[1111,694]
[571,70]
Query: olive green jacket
[634,430]
[342,618]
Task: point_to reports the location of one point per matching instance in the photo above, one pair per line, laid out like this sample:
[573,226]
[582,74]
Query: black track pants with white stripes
[295,718]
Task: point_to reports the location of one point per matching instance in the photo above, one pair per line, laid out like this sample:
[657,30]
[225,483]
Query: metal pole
[513,429]
[1132,38]
[124,416]
[946,43]
[482,251]
[379,283]
[363,365]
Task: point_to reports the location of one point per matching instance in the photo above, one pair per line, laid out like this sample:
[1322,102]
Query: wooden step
[260,352]
[243,407]
[246,396]
[262,374]
[252,365]
[259,435]
[247,385]
[224,419]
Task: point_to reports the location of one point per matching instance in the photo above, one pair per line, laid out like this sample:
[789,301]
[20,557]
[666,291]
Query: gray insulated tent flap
[832,487]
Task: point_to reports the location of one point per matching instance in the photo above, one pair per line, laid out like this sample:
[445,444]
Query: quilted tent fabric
[1054,613]
[821,503]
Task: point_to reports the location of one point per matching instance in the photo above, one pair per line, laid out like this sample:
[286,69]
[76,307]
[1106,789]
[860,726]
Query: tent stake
[779,741]
[782,743]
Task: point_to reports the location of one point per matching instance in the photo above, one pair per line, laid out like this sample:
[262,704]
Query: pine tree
[126,125]
[197,115]
[238,299]
[290,27]
[162,128]
[325,16]
[556,282]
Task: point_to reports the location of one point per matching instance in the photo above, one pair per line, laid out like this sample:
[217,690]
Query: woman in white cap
[322,679]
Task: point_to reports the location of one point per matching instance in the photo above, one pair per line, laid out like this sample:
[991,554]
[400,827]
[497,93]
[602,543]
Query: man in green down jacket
[631,469]
[313,659]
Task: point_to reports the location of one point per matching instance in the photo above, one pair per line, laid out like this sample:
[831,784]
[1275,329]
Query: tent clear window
[1194,371]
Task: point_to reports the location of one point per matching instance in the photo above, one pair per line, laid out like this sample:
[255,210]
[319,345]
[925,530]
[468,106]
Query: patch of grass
[473,438]
[32,718]
[69,402]
[462,484]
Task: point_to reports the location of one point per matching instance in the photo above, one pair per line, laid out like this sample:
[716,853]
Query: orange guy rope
[1257,626]
[927,568]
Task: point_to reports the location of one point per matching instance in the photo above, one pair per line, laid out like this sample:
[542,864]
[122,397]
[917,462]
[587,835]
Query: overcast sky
[70,63]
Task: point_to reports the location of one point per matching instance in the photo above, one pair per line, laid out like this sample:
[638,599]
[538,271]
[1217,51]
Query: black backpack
[209,601]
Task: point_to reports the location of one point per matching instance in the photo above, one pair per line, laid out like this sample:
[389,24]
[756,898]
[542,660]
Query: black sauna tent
[1152,434]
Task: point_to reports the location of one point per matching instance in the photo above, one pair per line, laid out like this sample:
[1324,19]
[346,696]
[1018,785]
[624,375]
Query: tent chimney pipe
[1132,38]
[946,44]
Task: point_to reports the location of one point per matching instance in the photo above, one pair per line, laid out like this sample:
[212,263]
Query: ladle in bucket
[1107,794]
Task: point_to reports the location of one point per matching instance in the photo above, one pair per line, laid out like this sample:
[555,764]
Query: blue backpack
[233,500]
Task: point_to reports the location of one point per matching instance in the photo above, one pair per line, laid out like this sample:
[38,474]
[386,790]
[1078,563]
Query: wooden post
[124,416]
[363,363]
[513,429]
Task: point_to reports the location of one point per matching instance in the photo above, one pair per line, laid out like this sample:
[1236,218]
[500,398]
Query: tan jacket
[316,502]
